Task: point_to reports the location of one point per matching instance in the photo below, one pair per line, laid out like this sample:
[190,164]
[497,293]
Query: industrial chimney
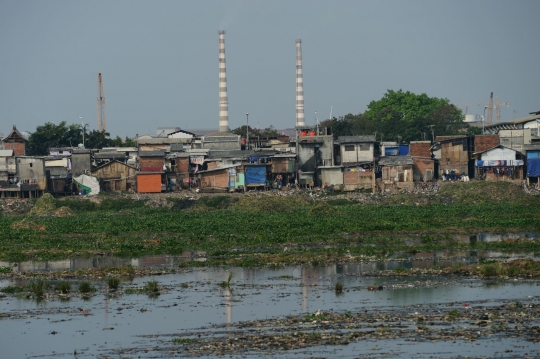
[223,100]
[299,86]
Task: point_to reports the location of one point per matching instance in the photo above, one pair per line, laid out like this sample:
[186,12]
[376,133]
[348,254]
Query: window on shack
[364,147]
[349,148]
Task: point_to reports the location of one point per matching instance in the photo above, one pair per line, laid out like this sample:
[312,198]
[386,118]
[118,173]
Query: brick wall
[19,149]
[211,165]
[216,179]
[151,164]
[419,149]
[421,167]
[182,164]
[485,142]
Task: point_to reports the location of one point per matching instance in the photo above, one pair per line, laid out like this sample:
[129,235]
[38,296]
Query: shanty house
[454,155]
[424,163]
[14,141]
[152,161]
[500,164]
[397,172]
[358,155]
[116,176]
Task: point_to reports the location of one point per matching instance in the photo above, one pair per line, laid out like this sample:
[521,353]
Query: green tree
[408,116]
[51,135]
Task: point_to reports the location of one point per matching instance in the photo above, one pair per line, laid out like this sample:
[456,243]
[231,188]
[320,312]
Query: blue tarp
[533,167]
[391,151]
[256,175]
[403,150]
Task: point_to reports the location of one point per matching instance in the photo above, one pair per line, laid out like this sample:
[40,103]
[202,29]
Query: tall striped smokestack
[223,100]
[299,86]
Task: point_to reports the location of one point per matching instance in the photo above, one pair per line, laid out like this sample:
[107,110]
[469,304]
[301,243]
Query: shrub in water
[152,287]
[113,283]
[38,286]
[86,287]
[63,287]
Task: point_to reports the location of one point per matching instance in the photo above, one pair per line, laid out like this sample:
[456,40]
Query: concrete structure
[8,167]
[314,150]
[329,176]
[223,98]
[116,176]
[222,141]
[357,149]
[531,122]
[14,141]
[80,162]
[28,181]
[299,86]
[515,139]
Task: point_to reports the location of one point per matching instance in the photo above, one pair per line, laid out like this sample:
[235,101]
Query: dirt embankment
[437,193]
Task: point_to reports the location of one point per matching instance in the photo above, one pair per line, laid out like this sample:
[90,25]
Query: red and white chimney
[299,86]
[223,99]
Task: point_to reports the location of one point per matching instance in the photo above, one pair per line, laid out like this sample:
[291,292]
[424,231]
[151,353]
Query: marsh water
[193,303]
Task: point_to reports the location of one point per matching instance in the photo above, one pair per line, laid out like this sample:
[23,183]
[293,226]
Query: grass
[152,287]
[183,341]
[38,287]
[13,289]
[5,270]
[86,287]
[63,287]
[227,283]
[184,285]
[113,283]
[339,288]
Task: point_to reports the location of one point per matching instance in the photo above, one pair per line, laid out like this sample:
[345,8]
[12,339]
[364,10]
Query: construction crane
[490,106]
[100,106]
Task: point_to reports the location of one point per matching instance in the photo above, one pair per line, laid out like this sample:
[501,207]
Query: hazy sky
[159,59]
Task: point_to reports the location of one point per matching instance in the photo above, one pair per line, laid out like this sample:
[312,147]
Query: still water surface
[56,328]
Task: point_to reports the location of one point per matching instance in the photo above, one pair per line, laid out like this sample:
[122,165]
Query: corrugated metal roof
[349,139]
[396,161]
[159,153]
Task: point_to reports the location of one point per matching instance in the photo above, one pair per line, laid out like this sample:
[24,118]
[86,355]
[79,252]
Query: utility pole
[100,106]
[247,131]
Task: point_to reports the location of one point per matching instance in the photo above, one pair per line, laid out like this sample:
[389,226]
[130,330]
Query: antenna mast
[100,106]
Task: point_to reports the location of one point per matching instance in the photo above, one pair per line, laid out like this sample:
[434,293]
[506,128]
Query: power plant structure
[299,86]
[100,106]
[223,99]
